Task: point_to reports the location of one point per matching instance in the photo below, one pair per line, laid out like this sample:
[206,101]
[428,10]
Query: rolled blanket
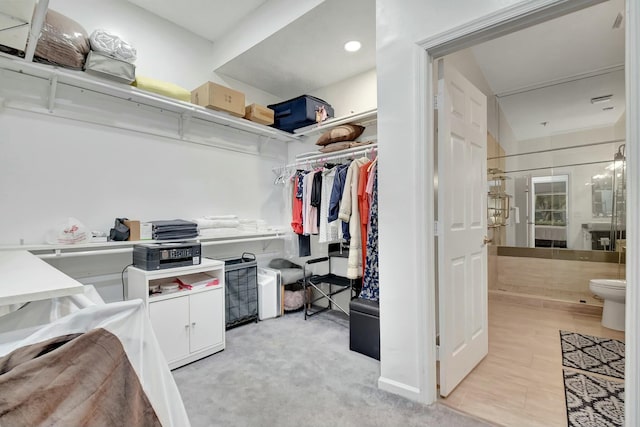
[162,88]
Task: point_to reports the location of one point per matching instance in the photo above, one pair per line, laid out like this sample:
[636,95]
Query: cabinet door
[207,319]
[170,320]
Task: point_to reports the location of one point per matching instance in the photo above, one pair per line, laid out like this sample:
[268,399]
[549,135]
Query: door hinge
[436,102]
[436,228]
[437,353]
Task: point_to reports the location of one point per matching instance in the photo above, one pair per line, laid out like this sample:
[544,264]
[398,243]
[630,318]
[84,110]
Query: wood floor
[520,381]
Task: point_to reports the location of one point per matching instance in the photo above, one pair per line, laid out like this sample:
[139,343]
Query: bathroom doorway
[541,145]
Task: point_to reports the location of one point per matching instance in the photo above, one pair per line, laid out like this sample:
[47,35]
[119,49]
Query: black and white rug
[593,401]
[592,354]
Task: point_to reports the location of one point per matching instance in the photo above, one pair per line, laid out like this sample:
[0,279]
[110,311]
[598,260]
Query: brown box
[259,114]
[134,229]
[218,97]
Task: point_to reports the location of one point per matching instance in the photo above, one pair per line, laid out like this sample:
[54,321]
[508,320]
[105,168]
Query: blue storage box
[298,112]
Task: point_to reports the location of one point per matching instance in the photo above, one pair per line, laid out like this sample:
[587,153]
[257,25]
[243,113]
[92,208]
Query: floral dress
[370,280]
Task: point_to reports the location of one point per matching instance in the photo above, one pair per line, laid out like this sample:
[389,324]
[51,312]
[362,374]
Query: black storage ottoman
[364,327]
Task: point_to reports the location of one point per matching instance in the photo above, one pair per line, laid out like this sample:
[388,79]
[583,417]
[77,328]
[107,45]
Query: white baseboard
[404,390]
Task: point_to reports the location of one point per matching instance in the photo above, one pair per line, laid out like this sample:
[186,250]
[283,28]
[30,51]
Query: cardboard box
[218,97]
[139,230]
[259,114]
[134,229]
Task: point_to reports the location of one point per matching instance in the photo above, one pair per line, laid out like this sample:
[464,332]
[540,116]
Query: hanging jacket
[336,198]
[350,212]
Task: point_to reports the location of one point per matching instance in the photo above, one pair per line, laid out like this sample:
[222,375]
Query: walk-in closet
[319,212]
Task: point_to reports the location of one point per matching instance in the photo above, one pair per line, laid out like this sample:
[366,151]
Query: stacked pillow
[340,138]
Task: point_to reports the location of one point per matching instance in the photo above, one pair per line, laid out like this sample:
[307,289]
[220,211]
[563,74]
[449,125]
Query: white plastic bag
[111,45]
[71,232]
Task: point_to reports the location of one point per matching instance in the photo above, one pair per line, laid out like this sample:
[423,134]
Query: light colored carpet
[291,372]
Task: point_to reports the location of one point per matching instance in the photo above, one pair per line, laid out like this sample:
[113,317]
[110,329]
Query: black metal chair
[337,285]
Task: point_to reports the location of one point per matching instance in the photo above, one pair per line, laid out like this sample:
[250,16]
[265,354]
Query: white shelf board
[364,117]
[81,80]
[53,250]
[24,277]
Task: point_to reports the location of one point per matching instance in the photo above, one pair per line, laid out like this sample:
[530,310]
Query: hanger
[373,163]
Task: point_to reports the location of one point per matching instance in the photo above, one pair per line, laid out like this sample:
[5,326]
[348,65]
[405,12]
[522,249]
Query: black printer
[157,256]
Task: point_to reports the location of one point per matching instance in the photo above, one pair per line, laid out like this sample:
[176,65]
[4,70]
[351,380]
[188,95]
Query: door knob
[486,240]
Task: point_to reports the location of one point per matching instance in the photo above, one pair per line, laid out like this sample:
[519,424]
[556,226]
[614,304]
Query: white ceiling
[209,19]
[564,49]
[309,53]
[305,55]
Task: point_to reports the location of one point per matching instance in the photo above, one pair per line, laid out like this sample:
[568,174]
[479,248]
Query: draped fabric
[370,281]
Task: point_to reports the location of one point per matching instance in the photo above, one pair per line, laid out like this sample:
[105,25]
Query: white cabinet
[189,324]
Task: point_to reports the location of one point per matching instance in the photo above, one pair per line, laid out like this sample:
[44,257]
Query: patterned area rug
[593,401]
[592,354]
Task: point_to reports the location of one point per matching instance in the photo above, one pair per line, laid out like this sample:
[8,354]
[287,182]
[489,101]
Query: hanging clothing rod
[312,159]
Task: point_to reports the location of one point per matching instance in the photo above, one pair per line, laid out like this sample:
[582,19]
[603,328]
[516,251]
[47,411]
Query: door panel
[462,253]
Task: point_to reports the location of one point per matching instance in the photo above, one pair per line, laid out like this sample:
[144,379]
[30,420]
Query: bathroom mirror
[543,144]
[602,194]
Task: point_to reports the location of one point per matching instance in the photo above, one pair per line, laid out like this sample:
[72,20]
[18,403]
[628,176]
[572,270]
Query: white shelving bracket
[36,27]
[262,141]
[183,123]
[53,87]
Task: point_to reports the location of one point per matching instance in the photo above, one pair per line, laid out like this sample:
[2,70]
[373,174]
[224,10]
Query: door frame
[505,21]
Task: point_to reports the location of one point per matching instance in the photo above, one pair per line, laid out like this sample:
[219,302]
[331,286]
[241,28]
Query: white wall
[53,168]
[407,324]
[114,158]
[165,51]
[353,95]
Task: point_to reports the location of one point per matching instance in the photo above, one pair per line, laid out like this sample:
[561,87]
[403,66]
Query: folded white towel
[221,217]
[216,223]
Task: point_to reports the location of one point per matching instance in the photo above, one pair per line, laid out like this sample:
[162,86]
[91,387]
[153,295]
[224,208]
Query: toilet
[613,293]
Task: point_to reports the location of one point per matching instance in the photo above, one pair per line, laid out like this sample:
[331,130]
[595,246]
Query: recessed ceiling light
[352,46]
[604,98]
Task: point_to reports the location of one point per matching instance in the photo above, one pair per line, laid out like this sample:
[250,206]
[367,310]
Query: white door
[207,320]
[462,210]
[170,321]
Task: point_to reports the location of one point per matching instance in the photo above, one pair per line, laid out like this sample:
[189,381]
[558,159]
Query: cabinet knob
[193,324]
[186,326]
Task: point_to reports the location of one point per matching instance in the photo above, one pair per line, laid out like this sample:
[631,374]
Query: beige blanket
[73,380]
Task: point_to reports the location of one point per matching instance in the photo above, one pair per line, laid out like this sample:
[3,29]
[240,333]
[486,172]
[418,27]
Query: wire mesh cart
[241,290]
[337,285]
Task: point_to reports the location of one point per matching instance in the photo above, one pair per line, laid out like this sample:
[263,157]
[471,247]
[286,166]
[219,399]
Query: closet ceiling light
[352,46]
